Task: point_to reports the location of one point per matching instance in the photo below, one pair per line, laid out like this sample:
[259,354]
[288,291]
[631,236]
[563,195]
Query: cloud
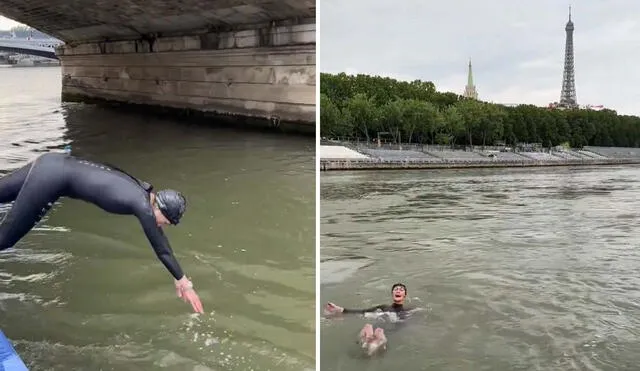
[547,63]
[517,48]
[7,24]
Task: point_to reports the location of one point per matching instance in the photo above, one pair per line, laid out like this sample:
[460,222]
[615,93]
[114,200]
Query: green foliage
[364,106]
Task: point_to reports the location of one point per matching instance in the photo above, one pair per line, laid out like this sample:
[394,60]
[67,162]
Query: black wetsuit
[36,186]
[390,327]
[400,310]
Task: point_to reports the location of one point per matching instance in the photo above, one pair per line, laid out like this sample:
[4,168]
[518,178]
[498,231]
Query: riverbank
[351,156]
[373,164]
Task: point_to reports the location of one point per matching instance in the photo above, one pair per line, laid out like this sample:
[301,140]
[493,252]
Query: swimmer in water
[39,184]
[370,339]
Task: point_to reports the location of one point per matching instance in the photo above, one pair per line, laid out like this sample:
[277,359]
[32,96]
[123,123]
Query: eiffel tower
[568,97]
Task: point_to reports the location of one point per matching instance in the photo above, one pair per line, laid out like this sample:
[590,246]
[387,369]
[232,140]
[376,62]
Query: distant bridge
[38,47]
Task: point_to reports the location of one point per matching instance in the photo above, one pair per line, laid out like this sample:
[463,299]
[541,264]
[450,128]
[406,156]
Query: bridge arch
[249,58]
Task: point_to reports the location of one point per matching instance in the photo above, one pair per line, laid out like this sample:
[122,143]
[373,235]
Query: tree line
[365,107]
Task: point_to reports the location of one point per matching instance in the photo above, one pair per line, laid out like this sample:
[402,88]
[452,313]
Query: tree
[415,111]
[332,123]
[363,115]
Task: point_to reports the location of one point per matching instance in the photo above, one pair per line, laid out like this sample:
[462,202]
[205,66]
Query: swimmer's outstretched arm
[333,309]
[160,244]
[363,311]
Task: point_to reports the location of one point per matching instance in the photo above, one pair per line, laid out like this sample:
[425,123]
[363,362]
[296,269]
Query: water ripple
[84,290]
[520,270]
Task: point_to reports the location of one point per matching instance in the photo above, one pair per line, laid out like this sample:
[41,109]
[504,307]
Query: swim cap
[172,204]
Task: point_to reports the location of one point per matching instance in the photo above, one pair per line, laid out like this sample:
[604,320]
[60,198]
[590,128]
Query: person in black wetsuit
[376,339]
[36,186]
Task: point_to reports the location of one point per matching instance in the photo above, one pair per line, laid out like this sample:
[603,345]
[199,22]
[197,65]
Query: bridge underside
[251,58]
[29,51]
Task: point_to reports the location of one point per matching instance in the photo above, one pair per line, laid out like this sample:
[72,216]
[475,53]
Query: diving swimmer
[373,340]
[39,184]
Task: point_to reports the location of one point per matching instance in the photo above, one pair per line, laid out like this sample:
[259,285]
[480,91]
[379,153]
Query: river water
[528,269]
[84,291]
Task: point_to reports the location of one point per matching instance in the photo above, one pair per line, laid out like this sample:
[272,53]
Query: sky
[516,47]
[6,23]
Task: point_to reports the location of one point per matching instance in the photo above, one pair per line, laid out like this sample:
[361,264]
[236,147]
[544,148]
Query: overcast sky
[6,23]
[516,47]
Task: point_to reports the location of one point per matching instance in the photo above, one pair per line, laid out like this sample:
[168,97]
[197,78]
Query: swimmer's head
[398,292]
[169,207]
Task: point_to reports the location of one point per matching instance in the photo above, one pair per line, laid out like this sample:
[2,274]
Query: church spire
[470,89]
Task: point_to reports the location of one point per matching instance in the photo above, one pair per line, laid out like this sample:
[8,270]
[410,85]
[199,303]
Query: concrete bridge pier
[263,71]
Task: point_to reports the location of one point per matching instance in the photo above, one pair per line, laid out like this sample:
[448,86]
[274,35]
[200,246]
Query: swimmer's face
[398,293]
[161,220]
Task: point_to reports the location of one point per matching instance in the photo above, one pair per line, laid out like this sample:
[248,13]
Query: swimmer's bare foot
[378,343]
[366,335]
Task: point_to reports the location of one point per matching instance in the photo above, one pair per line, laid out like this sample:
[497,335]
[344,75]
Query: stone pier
[267,72]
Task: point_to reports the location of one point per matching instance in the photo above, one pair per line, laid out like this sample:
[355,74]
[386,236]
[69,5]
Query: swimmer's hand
[332,309]
[185,291]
